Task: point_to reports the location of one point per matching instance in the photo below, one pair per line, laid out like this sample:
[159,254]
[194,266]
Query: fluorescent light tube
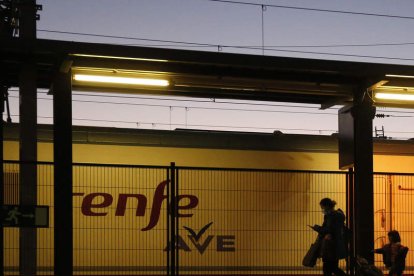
[394,96]
[400,76]
[120,80]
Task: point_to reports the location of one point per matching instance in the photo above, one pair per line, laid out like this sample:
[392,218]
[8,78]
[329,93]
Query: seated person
[393,254]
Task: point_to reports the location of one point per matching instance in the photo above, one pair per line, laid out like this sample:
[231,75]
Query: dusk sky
[207,24]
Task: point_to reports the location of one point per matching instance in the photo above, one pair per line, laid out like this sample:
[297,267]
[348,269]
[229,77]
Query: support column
[28,137]
[363,113]
[3,90]
[5,32]
[27,19]
[62,152]
[28,166]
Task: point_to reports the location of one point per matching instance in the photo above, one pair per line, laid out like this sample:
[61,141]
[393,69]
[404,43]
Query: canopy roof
[204,74]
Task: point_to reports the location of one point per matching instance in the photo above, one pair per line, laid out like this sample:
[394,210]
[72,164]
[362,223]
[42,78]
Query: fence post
[350,218]
[172,222]
[168,222]
[2,92]
[176,216]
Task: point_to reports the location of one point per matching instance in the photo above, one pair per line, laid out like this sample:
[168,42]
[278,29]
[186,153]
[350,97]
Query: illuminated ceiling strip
[400,76]
[122,58]
[394,88]
[120,80]
[394,96]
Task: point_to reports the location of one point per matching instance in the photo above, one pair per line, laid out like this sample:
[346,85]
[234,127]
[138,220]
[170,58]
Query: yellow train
[211,149]
[245,199]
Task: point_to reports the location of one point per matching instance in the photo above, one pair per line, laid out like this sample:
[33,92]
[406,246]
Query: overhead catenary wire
[190,125]
[194,107]
[205,125]
[313,9]
[197,44]
[213,100]
[378,44]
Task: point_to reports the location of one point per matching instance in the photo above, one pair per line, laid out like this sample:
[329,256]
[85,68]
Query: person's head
[394,236]
[327,205]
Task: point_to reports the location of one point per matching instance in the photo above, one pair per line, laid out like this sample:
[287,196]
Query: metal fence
[254,221]
[230,221]
[394,210]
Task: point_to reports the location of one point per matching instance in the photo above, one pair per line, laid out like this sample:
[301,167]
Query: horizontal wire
[227,109]
[223,108]
[197,107]
[379,44]
[181,124]
[125,37]
[205,125]
[213,100]
[312,9]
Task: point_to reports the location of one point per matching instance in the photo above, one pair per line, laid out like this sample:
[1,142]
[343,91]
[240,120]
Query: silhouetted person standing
[332,232]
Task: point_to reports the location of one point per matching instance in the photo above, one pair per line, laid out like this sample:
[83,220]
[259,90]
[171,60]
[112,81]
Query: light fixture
[89,78]
[399,76]
[395,90]
[394,96]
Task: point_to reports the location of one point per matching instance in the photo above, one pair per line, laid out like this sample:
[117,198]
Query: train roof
[208,139]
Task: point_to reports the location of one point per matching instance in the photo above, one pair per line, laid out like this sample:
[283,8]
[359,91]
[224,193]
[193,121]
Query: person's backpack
[346,234]
[345,237]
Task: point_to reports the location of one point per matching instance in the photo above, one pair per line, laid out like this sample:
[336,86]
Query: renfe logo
[94,204]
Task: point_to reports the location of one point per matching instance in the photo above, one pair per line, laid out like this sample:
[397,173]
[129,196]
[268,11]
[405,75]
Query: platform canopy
[206,74]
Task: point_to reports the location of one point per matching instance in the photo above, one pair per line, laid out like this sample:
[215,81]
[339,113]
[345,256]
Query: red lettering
[156,205]
[193,202]
[91,204]
[122,202]
[87,204]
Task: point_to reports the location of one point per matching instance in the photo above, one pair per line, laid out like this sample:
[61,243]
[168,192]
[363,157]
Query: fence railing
[230,221]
